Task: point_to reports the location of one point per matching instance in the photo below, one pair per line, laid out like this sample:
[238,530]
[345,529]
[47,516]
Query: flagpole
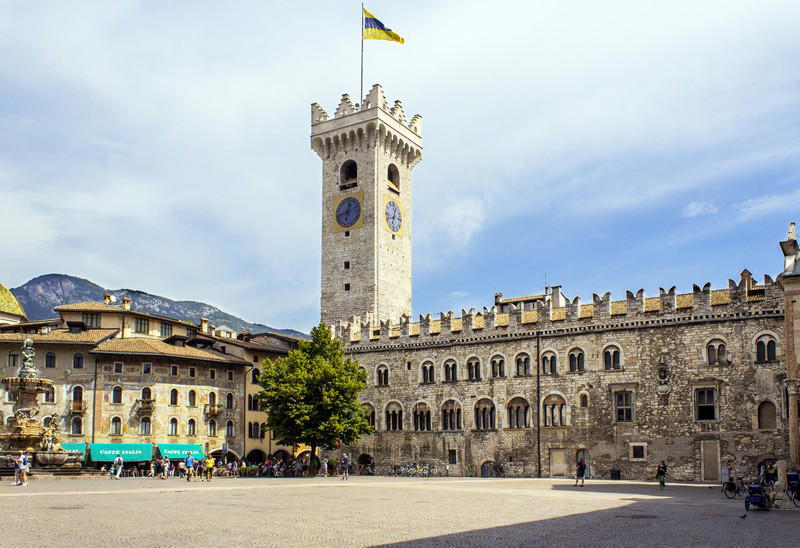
[361,32]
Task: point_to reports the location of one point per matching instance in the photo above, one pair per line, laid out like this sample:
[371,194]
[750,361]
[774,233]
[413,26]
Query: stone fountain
[25,431]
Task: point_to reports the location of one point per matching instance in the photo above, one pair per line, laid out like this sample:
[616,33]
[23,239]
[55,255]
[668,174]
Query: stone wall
[663,344]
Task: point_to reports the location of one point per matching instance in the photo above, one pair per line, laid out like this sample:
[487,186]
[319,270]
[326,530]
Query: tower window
[349,173]
[347,287]
[393,175]
[346,233]
[347,265]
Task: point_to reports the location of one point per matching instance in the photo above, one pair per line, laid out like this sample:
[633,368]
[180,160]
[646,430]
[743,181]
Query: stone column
[790,282]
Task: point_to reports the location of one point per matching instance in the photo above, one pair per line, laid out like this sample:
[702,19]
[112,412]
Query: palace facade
[705,380]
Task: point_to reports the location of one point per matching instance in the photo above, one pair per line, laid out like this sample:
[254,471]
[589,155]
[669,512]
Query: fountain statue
[24,430]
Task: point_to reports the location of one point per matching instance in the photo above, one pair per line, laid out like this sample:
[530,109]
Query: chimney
[203,325]
[126,303]
[107,298]
[212,329]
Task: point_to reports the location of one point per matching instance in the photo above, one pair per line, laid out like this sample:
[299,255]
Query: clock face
[393,216]
[348,211]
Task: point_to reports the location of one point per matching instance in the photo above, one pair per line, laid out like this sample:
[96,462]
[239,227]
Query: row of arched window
[716,353]
[255,430]
[348,174]
[485,414]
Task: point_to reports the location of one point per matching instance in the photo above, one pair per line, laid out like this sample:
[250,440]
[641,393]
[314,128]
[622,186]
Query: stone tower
[368,152]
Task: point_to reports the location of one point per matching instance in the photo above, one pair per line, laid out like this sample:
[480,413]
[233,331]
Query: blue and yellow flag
[374,30]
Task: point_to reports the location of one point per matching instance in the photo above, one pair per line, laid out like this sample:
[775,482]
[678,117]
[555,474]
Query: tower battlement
[375,99]
[742,298]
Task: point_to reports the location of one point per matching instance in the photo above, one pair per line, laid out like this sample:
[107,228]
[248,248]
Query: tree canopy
[311,395]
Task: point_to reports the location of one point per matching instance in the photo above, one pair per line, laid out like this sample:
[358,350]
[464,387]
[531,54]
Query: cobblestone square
[369,511]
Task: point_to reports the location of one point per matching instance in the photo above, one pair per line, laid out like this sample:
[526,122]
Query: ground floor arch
[256,456]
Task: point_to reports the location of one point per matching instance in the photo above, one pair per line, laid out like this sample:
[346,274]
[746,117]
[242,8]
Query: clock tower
[368,153]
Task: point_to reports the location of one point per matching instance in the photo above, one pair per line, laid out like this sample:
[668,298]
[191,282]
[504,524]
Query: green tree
[311,395]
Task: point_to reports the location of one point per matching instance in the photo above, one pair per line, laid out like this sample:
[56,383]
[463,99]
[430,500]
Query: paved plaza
[368,511]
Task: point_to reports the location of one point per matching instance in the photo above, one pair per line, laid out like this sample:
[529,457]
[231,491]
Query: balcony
[76,407]
[145,407]
[213,409]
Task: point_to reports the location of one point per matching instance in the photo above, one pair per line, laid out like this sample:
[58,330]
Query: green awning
[130,452]
[177,451]
[75,447]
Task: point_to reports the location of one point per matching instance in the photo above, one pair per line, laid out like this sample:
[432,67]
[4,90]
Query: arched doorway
[487,469]
[256,456]
[366,465]
[230,456]
[583,454]
[281,455]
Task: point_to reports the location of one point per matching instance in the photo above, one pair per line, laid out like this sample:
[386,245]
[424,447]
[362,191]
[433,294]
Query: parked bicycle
[792,490]
[735,487]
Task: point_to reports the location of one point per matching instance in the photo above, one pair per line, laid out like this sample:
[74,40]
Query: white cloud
[696,209]
[167,148]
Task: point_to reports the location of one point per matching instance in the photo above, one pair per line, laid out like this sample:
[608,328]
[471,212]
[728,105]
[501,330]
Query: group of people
[163,468]
[22,467]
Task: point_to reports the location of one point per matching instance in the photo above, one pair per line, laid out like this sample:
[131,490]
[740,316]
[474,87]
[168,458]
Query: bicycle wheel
[796,499]
[729,490]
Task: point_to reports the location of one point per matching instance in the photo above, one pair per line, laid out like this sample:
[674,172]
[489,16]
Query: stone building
[706,380]
[125,378]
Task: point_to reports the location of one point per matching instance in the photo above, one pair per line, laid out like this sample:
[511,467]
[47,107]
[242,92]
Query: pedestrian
[189,465]
[345,467]
[661,475]
[118,466]
[23,469]
[182,469]
[209,468]
[580,473]
[323,469]
[17,462]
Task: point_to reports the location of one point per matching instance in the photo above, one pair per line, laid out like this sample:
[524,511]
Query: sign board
[224,448]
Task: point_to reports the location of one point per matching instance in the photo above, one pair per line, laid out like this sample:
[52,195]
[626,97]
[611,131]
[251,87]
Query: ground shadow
[688,516]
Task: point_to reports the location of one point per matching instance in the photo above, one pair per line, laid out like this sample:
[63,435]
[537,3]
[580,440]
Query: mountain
[41,294]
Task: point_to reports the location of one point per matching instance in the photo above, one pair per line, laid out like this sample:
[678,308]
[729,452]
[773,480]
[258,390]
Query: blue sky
[164,146]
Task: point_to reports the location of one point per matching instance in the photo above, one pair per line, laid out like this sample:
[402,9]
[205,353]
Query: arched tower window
[393,175]
[427,373]
[256,373]
[116,394]
[349,172]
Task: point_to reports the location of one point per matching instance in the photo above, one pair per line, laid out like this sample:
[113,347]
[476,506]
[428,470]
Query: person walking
[323,469]
[661,475]
[23,469]
[17,462]
[345,467]
[209,468]
[118,466]
[580,473]
[189,466]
